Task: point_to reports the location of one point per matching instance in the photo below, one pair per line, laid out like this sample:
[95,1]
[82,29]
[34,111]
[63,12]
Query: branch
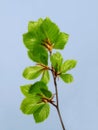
[57,101]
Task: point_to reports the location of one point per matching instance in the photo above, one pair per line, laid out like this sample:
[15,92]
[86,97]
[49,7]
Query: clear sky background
[79,100]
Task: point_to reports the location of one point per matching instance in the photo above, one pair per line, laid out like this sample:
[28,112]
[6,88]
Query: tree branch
[57,101]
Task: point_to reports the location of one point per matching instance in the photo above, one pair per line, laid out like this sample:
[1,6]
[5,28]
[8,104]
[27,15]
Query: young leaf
[36,87]
[61,41]
[41,113]
[56,60]
[50,30]
[46,93]
[25,89]
[67,78]
[29,40]
[38,54]
[29,105]
[45,76]
[68,65]
[32,72]
[33,26]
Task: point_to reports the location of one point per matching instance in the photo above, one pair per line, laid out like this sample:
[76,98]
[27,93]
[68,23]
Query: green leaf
[30,40]
[56,60]
[38,54]
[29,105]
[40,89]
[32,72]
[46,93]
[50,30]
[67,78]
[25,89]
[68,65]
[36,87]
[61,41]
[33,26]
[45,76]
[41,113]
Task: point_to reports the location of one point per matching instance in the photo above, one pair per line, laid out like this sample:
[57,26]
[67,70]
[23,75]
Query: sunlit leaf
[67,78]
[68,65]
[32,72]
[41,113]
[61,41]
[38,54]
[29,105]
[50,30]
[30,40]
[34,25]
[25,89]
[45,76]
[35,28]
[56,60]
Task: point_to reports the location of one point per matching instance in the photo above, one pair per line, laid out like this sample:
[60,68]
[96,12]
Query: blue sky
[79,100]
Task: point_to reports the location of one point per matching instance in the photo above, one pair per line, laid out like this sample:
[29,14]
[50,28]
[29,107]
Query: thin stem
[53,104]
[61,119]
[46,67]
[56,90]
[57,106]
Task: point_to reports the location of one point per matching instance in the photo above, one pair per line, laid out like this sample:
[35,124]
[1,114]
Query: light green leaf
[68,78]
[36,87]
[25,89]
[33,36]
[45,76]
[34,26]
[29,105]
[32,72]
[56,60]
[41,113]
[30,40]
[61,41]
[50,30]
[38,54]
[68,65]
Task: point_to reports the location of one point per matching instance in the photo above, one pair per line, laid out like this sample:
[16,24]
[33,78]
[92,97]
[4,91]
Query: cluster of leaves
[42,37]
[36,100]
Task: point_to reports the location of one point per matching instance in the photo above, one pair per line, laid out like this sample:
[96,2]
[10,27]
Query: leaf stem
[46,67]
[53,104]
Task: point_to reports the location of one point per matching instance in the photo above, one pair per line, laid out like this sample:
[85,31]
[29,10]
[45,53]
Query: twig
[57,101]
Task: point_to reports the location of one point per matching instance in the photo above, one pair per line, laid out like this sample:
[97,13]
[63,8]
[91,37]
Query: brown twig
[57,101]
